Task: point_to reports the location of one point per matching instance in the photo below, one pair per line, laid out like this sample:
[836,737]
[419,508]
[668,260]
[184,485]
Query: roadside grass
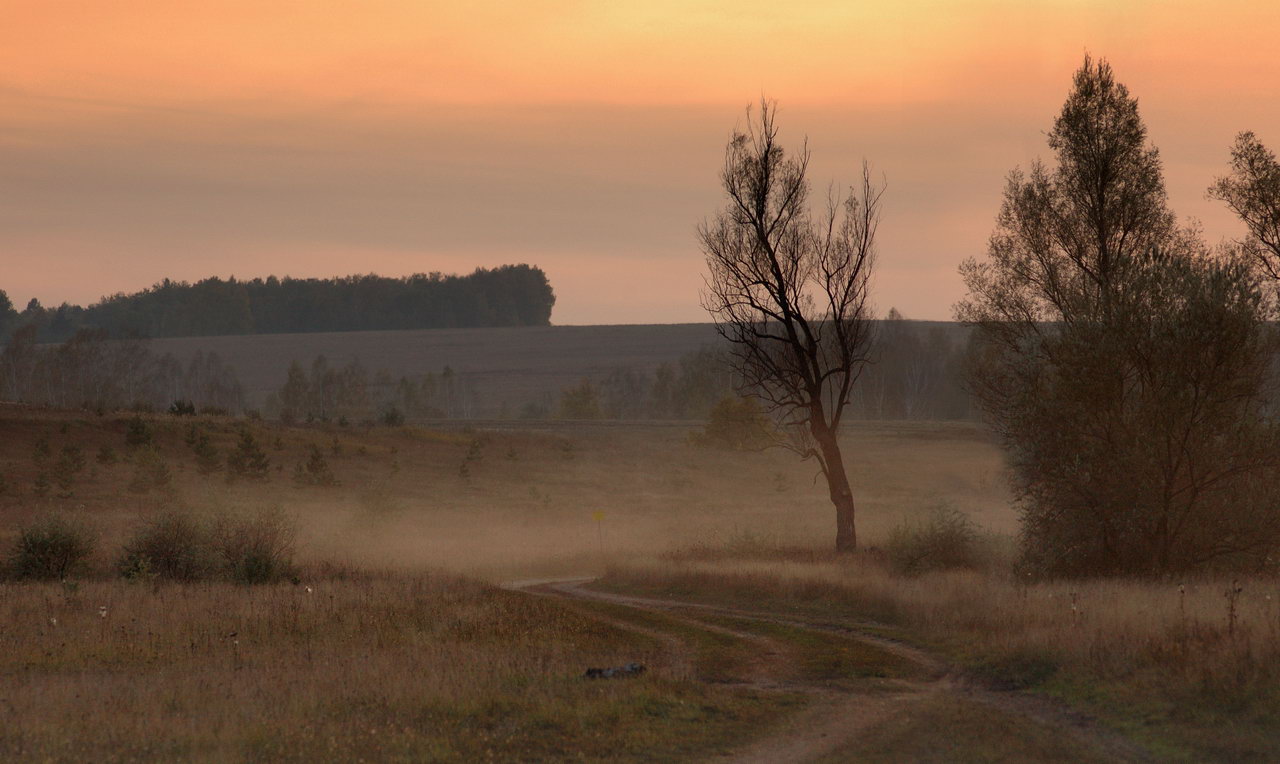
[365,666]
[1182,673]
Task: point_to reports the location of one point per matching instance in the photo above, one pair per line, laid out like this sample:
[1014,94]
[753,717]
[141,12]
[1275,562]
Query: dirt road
[870,698]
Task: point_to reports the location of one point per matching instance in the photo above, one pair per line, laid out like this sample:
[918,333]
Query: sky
[143,140]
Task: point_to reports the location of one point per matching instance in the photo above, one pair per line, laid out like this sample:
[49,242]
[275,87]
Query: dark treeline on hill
[510,295]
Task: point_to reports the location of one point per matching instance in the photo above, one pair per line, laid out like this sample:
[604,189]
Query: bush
[150,471]
[258,548]
[172,545]
[736,424]
[68,467]
[248,460]
[208,460]
[137,434]
[392,416]
[107,455]
[315,471]
[51,548]
[947,539]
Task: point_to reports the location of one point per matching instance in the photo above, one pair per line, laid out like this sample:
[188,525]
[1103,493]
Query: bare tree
[789,290]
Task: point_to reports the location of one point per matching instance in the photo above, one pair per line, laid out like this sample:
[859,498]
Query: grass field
[382,651]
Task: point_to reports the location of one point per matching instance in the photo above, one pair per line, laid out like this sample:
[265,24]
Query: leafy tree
[1123,366]
[789,290]
[1252,191]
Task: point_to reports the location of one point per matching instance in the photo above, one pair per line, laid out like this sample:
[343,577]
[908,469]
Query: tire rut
[838,716]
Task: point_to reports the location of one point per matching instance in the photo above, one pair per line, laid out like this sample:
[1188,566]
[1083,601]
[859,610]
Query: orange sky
[143,140]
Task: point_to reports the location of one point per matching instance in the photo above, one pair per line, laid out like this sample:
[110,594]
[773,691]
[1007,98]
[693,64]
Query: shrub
[172,545]
[736,424]
[315,471]
[40,452]
[68,467]
[137,434]
[257,548]
[208,460]
[947,539]
[150,471]
[247,460]
[580,402]
[107,455]
[392,416]
[51,548]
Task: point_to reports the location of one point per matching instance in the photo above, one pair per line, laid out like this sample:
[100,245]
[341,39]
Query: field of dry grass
[381,651]
[1187,669]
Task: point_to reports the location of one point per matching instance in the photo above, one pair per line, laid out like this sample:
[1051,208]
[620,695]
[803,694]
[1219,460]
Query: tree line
[93,371]
[510,295]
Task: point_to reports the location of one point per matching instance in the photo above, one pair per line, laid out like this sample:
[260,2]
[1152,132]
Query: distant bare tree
[1252,191]
[789,290]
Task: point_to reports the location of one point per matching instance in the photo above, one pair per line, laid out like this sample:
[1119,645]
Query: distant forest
[510,295]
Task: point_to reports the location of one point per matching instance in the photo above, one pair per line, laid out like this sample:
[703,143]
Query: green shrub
[173,545]
[256,548]
[947,539]
[51,548]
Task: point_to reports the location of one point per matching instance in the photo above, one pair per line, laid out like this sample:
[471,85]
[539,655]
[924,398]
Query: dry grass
[1176,664]
[363,667]
[407,665]
[527,507]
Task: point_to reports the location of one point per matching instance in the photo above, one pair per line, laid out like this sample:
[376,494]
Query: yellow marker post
[598,516]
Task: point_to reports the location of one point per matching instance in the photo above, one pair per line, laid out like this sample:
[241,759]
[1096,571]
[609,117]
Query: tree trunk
[838,486]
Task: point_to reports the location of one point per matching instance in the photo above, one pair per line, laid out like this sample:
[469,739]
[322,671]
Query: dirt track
[839,711]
